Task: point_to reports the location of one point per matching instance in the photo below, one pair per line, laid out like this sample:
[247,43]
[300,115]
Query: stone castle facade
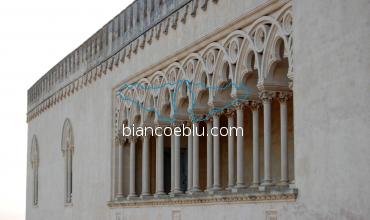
[293,74]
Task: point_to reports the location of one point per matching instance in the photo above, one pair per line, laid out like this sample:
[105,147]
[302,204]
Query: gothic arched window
[34,157]
[67,149]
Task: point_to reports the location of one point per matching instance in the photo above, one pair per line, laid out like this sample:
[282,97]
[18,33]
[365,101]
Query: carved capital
[267,96]
[254,106]
[283,96]
[239,105]
[177,124]
[194,119]
[230,113]
[196,123]
[188,124]
[120,138]
[209,120]
[132,139]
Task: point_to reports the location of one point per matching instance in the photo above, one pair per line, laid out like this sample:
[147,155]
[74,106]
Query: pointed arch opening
[279,69]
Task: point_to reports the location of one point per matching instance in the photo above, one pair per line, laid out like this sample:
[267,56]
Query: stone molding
[118,40]
[277,195]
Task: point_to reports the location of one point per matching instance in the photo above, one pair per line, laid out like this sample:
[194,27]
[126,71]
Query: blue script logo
[229,104]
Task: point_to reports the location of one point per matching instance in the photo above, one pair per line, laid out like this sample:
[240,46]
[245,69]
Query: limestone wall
[331,112]
[332,118]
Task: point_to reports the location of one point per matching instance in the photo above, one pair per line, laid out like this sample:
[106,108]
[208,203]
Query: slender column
[190,160]
[254,107]
[67,198]
[160,165]
[172,163]
[240,180]
[195,158]
[156,165]
[209,156]
[283,98]
[216,153]
[177,188]
[230,141]
[35,182]
[120,172]
[267,98]
[69,161]
[132,168]
[145,164]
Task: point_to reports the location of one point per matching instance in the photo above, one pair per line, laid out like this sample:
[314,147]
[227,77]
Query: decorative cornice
[288,195]
[94,60]
[118,40]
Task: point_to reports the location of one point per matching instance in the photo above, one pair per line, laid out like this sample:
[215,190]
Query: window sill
[272,194]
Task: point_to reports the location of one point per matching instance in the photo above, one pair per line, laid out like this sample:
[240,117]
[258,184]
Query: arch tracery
[245,59]
[230,78]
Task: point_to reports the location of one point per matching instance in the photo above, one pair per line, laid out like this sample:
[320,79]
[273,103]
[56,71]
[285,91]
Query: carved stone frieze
[203,199]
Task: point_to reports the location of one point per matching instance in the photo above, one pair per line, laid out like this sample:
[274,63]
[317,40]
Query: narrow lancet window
[67,149]
[35,168]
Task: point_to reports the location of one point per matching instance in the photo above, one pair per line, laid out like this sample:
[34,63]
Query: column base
[216,189]
[176,193]
[218,192]
[283,183]
[267,184]
[188,191]
[195,191]
[159,195]
[209,191]
[146,196]
[240,190]
[230,187]
[240,186]
[132,197]
[254,186]
[119,197]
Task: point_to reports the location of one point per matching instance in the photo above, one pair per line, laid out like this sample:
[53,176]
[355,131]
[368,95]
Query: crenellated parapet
[115,42]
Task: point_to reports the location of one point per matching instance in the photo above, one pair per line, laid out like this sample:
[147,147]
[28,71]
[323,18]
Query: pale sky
[34,36]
